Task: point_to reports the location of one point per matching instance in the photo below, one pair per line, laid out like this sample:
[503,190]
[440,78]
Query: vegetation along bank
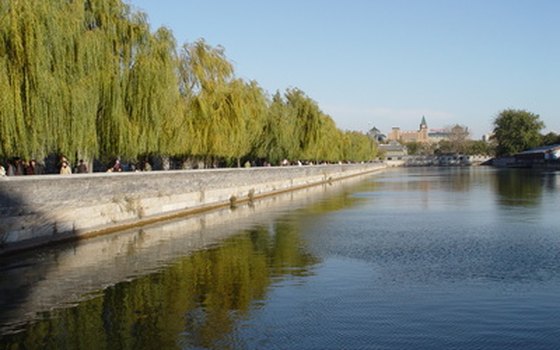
[89,79]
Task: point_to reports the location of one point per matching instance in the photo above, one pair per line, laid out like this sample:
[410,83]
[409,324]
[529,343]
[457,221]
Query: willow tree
[308,118]
[83,77]
[205,78]
[49,82]
[22,37]
[12,125]
[152,98]
[247,118]
[327,144]
[75,66]
[358,147]
[122,34]
[280,137]
[87,78]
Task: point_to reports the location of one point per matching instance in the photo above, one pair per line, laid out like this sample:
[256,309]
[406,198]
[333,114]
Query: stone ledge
[38,210]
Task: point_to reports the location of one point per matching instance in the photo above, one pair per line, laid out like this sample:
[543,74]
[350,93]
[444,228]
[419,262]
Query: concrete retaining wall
[36,210]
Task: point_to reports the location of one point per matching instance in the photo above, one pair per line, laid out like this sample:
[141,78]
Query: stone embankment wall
[36,210]
[60,277]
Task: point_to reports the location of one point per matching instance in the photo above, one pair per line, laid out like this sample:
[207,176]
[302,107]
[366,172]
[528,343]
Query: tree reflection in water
[517,187]
[195,302]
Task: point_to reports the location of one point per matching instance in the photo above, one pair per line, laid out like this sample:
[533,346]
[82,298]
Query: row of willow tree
[89,79]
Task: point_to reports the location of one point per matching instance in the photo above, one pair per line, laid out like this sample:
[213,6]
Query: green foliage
[413,148]
[226,115]
[551,139]
[330,142]
[424,148]
[479,147]
[468,147]
[358,147]
[84,77]
[296,129]
[248,108]
[279,139]
[308,122]
[87,78]
[516,130]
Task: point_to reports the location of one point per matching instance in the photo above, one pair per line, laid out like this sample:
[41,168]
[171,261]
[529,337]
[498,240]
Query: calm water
[406,259]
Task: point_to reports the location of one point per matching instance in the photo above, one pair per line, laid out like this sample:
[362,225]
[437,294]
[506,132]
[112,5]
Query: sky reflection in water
[408,259]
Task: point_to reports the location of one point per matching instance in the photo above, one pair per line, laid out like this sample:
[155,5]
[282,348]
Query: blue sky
[387,63]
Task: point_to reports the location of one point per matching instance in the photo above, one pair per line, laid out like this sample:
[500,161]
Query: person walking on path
[116,168]
[31,168]
[82,167]
[65,168]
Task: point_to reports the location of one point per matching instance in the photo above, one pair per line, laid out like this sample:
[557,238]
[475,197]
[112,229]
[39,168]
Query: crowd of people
[17,166]
[20,167]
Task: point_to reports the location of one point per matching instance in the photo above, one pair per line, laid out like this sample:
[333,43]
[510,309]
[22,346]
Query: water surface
[451,258]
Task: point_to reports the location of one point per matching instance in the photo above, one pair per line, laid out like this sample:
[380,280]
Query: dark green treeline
[89,79]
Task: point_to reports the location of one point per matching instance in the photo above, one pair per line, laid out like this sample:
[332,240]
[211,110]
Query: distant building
[545,157]
[376,135]
[551,152]
[425,135]
[437,135]
[421,135]
[393,150]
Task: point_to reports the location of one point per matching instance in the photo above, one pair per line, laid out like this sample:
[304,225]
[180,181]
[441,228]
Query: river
[412,258]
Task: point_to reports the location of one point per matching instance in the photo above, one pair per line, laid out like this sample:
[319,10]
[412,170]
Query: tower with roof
[423,131]
[420,135]
[423,124]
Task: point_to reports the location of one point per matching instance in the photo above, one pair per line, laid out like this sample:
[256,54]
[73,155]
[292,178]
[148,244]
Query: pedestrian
[82,167]
[30,169]
[63,160]
[11,169]
[65,168]
[116,168]
[147,166]
[18,168]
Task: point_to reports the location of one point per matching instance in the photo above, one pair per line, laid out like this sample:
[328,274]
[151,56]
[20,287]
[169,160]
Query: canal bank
[473,251]
[39,210]
[52,278]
